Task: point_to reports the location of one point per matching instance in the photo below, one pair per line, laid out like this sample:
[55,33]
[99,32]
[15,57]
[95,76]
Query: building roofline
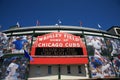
[61,27]
[112,28]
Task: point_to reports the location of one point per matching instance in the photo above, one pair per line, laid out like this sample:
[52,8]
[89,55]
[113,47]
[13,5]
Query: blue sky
[70,12]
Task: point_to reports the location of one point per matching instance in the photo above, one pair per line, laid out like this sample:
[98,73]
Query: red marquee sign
[60,40]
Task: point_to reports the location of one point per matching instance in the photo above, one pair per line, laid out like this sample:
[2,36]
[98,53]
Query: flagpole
[37,23]
[59,22]
[58,27]
[80,24]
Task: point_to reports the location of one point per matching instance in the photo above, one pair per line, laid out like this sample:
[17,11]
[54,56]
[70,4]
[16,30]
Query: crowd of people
[14,68]
[101,68]
[116,63]
[94,44]
[3,43]
[100,50]
[113,46]
[14,44]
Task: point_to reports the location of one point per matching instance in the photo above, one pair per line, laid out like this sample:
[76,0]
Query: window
[38,70]
[68,70]
[79,69]
[49,69]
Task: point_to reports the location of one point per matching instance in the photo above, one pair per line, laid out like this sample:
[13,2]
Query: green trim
[88,65]
[59,71]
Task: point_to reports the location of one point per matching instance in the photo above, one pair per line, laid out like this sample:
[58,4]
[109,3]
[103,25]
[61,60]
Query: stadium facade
[62,52]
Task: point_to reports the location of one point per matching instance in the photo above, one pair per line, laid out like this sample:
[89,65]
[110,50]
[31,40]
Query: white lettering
[40,39]
[71,37]
[50,36]
[50,45]
[59,45]
[57,40]
[72,45]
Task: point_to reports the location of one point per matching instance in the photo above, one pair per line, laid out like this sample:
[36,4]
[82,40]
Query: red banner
[59,60]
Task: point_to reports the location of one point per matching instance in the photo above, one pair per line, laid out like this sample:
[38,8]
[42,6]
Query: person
[3,43]
[99,67]
[96,62]
[109,45]
[117,65]
[11,70]
[96,43]
[114,47]
[22,71]
[19,45]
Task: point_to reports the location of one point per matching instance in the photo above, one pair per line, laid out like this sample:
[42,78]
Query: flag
[56,24]
[59,22]
[99,26]
[26,54]
[80,23]
[37,23]
[18,25]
